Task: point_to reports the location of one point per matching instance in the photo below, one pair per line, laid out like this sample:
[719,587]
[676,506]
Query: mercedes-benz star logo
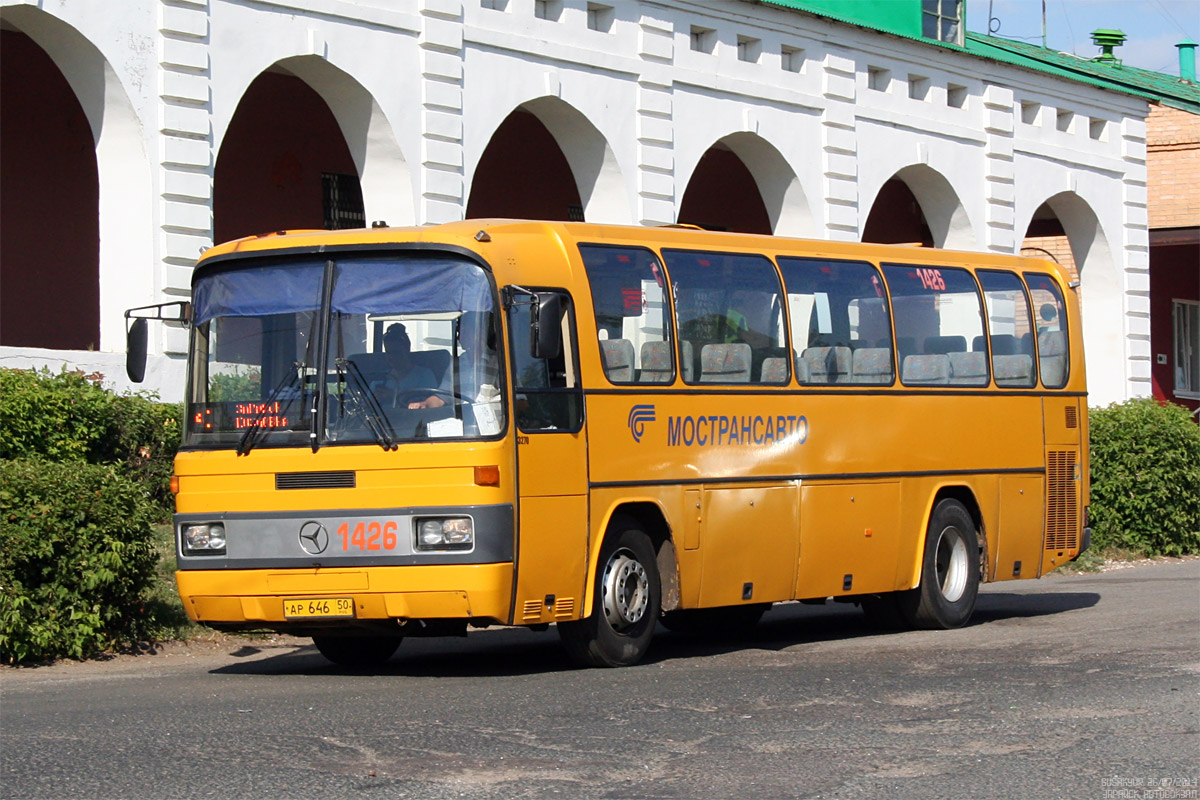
[313,538]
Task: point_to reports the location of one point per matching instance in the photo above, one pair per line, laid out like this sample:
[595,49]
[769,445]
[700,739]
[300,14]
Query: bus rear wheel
[627,600]
[949,571]
[357,651]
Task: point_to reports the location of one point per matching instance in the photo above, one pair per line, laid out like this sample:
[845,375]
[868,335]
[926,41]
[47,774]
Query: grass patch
[167,619]
[1094,559]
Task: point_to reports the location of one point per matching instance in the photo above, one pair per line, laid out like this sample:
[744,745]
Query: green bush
[76,560]
[1145,478]
[70,417]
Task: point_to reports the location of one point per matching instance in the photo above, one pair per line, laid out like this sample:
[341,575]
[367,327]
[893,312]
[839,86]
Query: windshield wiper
[367,402]
[250,436]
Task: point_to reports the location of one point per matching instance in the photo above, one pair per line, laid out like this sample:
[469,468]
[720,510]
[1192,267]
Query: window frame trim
[1188,394]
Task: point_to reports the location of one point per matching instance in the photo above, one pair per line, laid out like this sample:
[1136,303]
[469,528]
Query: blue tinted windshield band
[409,286]
[259,291]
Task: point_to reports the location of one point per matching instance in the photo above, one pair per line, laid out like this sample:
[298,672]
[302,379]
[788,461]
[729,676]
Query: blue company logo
[638,417]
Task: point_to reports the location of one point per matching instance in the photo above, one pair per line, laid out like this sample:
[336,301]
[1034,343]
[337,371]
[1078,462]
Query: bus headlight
[441,533]
[204,540]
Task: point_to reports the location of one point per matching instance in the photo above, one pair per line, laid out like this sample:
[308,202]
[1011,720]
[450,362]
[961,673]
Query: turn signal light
[174,484]
[487,476]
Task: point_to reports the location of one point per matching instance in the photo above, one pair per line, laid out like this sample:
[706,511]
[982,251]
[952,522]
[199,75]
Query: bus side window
[630,304]
[547,391]
[1009,324]
[938,314]
[728,313]
[841,325]
[1052,344]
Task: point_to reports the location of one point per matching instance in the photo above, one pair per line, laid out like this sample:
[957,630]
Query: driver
[403,376]
[478,367]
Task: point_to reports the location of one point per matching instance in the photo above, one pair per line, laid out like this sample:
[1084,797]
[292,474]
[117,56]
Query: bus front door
[552,476]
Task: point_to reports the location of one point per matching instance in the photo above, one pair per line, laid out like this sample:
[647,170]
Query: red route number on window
[932,279]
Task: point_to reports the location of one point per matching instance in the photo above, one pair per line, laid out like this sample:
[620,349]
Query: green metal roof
[1147,84]
[1156,86]
[901,17]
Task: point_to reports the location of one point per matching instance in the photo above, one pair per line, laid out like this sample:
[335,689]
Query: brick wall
[1173,167]
[1054,248]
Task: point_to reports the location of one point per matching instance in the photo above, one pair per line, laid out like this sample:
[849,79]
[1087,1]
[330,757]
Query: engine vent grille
[1072,417]
[1062,515]
[564,608]
[531,611]
[343,479]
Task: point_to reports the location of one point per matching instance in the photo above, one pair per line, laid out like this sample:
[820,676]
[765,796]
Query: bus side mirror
[545,325]
[137,335]
[135,350]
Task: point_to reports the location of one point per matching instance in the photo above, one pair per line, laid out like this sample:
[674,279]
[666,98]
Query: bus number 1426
[373,535]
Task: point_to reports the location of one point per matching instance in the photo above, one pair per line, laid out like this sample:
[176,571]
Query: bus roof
[498,241]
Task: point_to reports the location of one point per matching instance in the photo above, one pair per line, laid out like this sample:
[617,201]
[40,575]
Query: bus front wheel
[357,651]
[949,571]
[626,604]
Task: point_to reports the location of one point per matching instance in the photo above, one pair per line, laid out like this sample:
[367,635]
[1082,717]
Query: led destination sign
[217,417]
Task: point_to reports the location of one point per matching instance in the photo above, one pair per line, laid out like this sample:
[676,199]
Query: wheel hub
[626,590]
[953,564]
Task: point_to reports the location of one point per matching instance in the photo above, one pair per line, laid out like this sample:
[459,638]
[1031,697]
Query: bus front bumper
[279,598]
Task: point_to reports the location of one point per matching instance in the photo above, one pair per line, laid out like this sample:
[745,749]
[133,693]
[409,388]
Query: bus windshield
[410,354]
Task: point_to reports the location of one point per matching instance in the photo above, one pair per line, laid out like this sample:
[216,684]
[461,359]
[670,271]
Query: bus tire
[723,622]
[626,605]
[357,651]
[949,571]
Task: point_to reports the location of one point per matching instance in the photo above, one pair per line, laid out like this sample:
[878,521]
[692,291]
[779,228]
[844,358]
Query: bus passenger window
[547,392]
[1052,345]
[630,304]
[938,313]
[841,328]
[729,314]
[1010,342]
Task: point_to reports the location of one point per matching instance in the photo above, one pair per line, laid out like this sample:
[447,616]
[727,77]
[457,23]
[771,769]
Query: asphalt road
[1078,686]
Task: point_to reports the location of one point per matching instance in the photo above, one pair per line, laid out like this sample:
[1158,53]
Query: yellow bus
[410,432]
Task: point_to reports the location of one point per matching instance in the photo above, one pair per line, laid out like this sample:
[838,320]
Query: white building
[220,117]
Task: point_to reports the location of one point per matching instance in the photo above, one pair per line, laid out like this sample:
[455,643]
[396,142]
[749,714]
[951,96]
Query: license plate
[323,607]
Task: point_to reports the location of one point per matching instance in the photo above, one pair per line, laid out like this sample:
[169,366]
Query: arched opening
[918,206]
[1046,238]
[722,195]
[283,164]
[49,202]
[386,185]
[896,217]
[1065,229]
[524,174]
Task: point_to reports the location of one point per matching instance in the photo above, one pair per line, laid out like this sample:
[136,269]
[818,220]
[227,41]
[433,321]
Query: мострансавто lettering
[720,430]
